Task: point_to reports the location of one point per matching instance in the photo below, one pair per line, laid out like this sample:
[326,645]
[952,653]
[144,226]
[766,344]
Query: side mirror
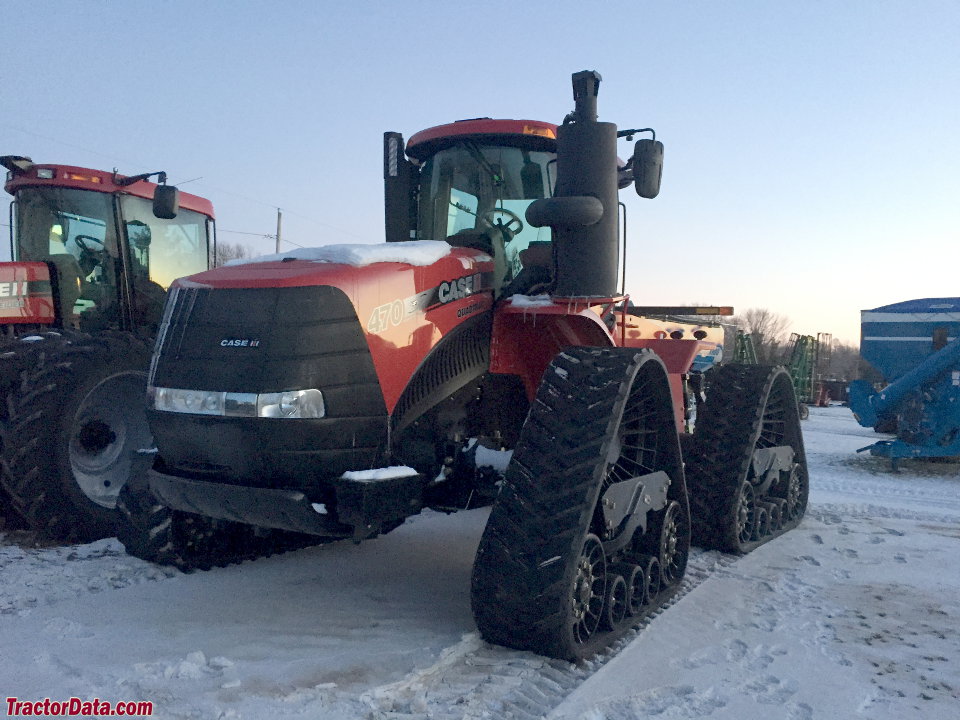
[647,167]
[166,202]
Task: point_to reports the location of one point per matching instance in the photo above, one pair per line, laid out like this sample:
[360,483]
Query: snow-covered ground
[852,615]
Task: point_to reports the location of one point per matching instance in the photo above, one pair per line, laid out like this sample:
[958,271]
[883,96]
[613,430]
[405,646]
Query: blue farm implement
[915,346]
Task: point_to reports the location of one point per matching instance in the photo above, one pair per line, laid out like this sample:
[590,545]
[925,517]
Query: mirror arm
[123,182]
[628,134]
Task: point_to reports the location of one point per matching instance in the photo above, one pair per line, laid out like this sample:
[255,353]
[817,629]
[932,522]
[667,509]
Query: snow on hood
[412,252]
[394,471]
[531,300]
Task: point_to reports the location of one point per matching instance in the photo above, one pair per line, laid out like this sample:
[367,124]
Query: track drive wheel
[73,427]
[597,457]
[746,453]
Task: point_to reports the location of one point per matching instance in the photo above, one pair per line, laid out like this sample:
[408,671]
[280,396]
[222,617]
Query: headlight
[291,404]
[287,404]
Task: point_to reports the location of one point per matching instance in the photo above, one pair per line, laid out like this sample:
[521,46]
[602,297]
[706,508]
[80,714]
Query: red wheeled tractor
[335,392]
[93,252]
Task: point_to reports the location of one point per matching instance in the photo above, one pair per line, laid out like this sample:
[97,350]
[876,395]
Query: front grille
[258,340]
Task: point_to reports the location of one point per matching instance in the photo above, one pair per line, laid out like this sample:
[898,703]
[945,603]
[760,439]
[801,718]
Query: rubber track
[722,445]
[155,533]
[524,565]
[34,457]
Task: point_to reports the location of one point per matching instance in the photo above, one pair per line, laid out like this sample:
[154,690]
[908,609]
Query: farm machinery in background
[808,362]
[334,392]
[92,253]
[744,351]
[915,345]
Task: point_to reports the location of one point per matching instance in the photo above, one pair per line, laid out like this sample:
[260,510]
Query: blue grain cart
[915,346]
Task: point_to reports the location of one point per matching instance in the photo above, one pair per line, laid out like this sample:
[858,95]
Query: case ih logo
[459,288]
[239,342]
[12,289]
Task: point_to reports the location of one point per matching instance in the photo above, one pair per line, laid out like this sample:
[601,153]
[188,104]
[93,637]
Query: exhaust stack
[583,212]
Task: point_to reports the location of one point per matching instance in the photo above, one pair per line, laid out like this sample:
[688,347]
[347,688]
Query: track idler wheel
[746,514]
[673,527]
[636,584]
[589,589]
[617,602]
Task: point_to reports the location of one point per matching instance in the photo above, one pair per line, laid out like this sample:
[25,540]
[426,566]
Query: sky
[811,147]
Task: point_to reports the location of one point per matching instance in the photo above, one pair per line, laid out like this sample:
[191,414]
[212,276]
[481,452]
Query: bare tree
[230,251]
[768,330]
[844,362]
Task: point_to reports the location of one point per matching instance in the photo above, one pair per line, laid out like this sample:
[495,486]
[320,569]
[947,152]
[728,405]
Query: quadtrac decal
[393,313]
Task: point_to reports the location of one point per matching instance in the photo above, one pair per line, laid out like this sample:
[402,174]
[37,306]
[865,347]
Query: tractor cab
[470,183]
[111,248]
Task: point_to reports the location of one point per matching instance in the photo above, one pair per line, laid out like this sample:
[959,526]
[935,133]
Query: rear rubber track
[748,407]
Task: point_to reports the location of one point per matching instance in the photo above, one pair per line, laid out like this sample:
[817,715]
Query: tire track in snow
[474,679]
[35,576]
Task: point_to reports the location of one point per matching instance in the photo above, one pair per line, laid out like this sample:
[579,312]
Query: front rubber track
[748,407]
[155,533]
[536,561]
[62,465]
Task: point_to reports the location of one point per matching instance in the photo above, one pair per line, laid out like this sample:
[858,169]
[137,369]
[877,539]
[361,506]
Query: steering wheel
[82,240]
[489,217]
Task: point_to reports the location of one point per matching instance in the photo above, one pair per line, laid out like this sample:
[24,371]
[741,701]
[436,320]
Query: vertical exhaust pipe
[583,212]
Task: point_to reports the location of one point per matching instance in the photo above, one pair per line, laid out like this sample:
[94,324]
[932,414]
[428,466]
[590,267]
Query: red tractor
[93,252]
[335,392]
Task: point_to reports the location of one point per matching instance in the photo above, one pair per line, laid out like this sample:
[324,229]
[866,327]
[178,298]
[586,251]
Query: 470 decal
[393,313]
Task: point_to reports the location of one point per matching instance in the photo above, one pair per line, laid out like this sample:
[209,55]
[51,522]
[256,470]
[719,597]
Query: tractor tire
[750,409]
[547,561]
[73,427]
[17,356]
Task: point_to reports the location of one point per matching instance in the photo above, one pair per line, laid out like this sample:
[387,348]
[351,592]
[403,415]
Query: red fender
[526,337]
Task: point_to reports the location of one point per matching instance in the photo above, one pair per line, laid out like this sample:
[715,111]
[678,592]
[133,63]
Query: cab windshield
[473,191]
[76,231]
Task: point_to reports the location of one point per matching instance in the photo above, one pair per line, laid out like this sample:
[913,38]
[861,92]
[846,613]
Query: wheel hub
[108,427]
[95,437]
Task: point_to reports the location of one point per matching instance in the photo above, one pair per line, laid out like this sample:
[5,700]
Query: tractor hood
[406,296]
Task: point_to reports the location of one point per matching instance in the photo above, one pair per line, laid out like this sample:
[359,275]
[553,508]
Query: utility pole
[279,220]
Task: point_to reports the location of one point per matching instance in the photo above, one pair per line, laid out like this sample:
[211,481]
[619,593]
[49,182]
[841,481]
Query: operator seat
[69,281]
[536,272]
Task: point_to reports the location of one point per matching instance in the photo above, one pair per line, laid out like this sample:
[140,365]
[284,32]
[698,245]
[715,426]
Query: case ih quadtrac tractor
[336,392]
[92,253]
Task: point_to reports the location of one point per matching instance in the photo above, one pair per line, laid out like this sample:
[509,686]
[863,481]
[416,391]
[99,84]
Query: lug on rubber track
[595,480]
[155,533]
[746,466]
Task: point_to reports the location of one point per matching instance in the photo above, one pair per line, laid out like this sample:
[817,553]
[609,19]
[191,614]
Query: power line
[211,187]
[266,236]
